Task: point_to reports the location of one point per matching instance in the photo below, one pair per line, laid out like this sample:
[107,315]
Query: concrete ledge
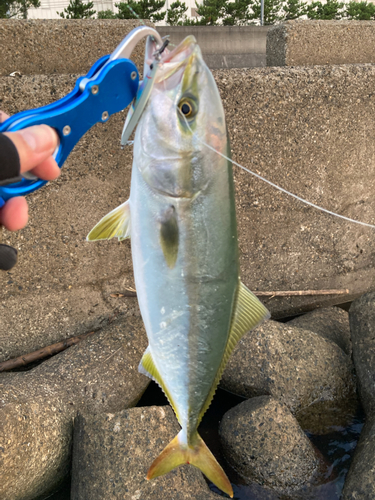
[60,46]
[225,46]
[306,43]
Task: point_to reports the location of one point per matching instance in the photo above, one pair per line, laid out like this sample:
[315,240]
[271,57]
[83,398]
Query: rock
[112,453]
[263,441]
[362,326]
[100,374]
[360,481]
[332,323]
[295,366]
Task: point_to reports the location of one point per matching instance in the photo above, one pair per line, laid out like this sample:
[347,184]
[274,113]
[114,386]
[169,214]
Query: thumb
[34,145]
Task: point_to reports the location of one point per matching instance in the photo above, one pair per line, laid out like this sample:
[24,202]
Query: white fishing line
[306,202]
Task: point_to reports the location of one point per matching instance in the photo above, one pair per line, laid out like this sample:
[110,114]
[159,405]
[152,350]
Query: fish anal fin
[178,452]
[148,368]
[248,312]
[115,224]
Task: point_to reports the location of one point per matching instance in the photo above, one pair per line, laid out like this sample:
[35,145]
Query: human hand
[35,146]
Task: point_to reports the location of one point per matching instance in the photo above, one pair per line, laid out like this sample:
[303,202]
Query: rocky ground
[76,411]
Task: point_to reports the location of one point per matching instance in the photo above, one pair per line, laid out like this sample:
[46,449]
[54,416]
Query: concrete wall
[311,130]
[60,46]
[225,46]
[305,43]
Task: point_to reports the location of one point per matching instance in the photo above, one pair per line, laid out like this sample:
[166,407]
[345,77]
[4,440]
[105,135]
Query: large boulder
[362,325]
[332,323]
[263,441]
[112,453]
[100,374]
[360,481]
[297,367]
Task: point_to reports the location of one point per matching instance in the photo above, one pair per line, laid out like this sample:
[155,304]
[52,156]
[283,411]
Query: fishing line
[285,191]
[260,177]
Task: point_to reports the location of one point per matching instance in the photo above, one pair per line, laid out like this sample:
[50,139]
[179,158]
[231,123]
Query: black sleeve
[9,161]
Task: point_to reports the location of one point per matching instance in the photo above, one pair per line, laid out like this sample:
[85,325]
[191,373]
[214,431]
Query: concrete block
[306,43]
[225,46]
[61,46]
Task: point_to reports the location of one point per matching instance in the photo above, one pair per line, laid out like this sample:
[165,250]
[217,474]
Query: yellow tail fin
[178,452]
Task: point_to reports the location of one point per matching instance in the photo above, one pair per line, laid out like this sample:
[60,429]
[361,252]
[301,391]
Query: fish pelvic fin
[115,224]
[178,452]
[248,312]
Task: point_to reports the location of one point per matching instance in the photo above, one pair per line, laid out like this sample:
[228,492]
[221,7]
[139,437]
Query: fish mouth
[172,60]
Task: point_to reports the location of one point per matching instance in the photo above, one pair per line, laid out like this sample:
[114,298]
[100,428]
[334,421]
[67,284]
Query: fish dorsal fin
[148,368]
[248,312]
[115,224]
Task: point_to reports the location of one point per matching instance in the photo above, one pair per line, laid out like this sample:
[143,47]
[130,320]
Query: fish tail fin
[178,452]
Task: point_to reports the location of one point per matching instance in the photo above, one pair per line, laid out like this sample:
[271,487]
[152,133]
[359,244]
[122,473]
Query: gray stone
[332,323]
[263,441]
[37,407]
[362,326]
[304,43]
[112,453]
[360,481]
[295,366]
[61,46]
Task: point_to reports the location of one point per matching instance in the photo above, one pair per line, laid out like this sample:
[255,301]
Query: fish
[181,221]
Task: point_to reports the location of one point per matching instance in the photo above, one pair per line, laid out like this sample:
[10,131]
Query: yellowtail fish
[182,223]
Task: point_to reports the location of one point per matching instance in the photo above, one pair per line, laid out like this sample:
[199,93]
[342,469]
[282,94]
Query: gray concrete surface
[225,46]
[306,43]
[311,130]
[60,46]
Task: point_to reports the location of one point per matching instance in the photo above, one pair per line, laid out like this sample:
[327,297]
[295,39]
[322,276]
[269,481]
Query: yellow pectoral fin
[248,313]
[177,452]
[148,368]
[115,224]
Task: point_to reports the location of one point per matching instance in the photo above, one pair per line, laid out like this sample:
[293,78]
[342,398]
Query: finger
[34,145]
[47,170]
[3,116]
[14,214]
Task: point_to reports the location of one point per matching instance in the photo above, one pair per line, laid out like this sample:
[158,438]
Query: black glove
[8,257]
[9,173]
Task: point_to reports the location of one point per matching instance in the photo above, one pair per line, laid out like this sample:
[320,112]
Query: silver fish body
[182,223]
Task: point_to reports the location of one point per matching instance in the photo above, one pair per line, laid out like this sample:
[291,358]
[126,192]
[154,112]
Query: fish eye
[187,108]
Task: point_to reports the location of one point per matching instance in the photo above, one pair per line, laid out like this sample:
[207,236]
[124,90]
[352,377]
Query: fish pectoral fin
[114,224]
[148,368]
[178,452]
[248,312]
